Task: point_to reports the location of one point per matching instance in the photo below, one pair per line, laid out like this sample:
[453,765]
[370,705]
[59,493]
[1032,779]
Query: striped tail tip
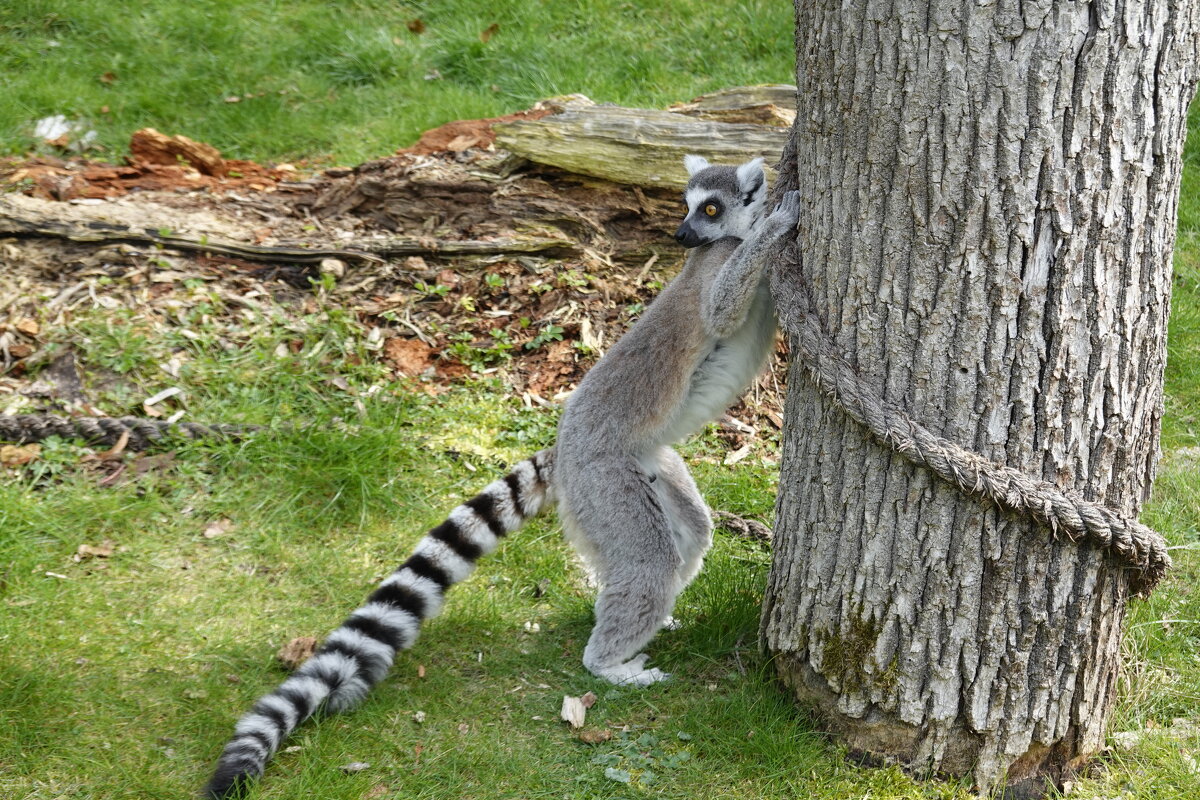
[359,653]
[232,778]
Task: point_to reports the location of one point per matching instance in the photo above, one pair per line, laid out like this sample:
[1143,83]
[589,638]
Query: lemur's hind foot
[632,673]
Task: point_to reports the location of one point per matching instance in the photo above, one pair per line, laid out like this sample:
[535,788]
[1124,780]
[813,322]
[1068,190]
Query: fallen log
[767,104]
[638,146]
[31,217]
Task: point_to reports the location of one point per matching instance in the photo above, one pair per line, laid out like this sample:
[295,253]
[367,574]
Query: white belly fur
[730,367]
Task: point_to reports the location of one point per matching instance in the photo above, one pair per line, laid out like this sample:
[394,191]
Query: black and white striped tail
[359,654]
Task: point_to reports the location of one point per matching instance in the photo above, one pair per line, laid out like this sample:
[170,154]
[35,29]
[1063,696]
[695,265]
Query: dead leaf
[159,462]
[103,550]
[111,478]
[108,77]
[297,651]
[588,699]
[12,455]
[463,728]
[410,357]
[417,26]
[117,449]
[218,527]
[29,327]
[488,32]
[420,670]
[378,790]
[595,735]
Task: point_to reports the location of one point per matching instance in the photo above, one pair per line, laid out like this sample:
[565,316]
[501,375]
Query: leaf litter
[535,319]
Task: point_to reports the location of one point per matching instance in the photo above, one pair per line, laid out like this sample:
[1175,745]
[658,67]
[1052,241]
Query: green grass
[349,80]
[121,678]
[116,680]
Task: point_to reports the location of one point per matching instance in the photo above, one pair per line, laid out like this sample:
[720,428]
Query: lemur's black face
[720,201]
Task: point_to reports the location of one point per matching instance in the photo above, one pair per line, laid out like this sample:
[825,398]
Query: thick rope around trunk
[143,433]
[1064,511]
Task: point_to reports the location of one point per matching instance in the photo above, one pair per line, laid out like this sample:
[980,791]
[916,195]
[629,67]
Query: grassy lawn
[120,677]
[351,80]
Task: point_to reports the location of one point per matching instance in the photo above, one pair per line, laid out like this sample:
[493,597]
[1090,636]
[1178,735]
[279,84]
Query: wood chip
[218,527]
[574,709]
[103,550]
[739,454]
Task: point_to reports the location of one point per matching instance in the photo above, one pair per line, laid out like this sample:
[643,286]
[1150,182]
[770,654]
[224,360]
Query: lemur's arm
[726,299]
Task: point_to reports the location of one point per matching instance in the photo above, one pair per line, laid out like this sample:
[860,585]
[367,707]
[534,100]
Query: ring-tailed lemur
[625,498]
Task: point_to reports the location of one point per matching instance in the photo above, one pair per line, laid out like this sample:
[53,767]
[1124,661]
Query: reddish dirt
[51,178]
[158,162]
[455,137]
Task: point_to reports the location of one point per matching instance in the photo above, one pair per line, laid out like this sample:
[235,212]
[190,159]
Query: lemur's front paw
[787,214]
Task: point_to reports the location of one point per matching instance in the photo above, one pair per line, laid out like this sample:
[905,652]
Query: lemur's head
[721,201]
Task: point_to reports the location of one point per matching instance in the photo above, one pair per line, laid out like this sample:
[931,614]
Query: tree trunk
[991,193]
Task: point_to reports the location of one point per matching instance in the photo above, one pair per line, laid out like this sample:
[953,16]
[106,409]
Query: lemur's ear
[695,163]
[750,176]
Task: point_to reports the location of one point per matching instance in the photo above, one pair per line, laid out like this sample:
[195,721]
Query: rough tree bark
[990,208]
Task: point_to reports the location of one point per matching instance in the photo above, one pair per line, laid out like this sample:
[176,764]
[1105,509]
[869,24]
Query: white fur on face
[735,220]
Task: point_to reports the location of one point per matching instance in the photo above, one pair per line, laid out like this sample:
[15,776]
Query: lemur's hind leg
[690,520]
[628,541]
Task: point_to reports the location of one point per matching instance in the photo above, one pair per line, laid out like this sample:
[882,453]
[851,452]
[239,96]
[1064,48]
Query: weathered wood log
[766,104]
[635,146]
[32,217]
[547,209]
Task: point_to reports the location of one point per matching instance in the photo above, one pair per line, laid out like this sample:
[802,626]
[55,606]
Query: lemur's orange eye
[711,210]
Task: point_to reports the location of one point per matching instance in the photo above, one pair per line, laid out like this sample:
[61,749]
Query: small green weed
[548,333]
[480,357]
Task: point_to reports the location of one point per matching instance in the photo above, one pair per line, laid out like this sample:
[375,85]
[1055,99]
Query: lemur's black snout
[687,236]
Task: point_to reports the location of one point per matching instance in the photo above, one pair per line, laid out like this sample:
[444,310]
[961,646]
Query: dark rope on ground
[741,526]
[143,433]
